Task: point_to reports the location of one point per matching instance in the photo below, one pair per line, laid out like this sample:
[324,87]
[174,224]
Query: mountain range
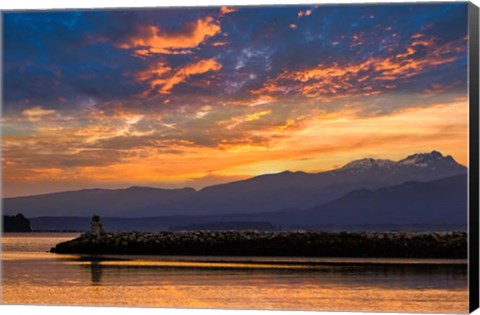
[412,206]
[366,191]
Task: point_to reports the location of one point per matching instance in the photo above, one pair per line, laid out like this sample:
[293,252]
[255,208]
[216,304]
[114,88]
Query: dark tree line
[16,223]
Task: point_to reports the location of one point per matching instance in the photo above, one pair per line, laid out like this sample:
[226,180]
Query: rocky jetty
[276,243]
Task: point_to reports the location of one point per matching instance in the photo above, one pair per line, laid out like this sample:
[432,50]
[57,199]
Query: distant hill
[259,194]
[106,202]
[441,202]
[17,223]
[439,205]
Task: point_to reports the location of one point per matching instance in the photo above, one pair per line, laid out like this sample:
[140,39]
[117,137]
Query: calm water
[31,275]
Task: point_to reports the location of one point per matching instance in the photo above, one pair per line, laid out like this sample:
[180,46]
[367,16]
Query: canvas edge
[1,152]
[474,116]
[248,4]
[473,165]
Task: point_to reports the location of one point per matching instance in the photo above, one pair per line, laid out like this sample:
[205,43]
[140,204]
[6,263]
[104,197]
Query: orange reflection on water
[33,276]
[228,294]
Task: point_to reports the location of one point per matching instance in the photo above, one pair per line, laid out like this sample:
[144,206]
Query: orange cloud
[189,70]
[367,77]
[257,101]
[157,69]
[36,113]
[357,40]
[151,39]
[405,66]
[256,116]
[264,99]
[219,43]
[304,13]
[161,76]
[289,123]
[226,10]
[437,88]
[237,120]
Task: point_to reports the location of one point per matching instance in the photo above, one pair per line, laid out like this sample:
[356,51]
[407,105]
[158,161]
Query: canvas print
[307,157]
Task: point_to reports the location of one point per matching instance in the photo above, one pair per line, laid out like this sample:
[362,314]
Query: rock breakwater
[279,243]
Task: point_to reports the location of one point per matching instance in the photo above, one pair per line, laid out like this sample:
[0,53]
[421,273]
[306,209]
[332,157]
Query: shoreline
[269,260]
[433,245]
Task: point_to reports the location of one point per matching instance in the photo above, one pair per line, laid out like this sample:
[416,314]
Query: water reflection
[382,276]
[96,272]
[33,276]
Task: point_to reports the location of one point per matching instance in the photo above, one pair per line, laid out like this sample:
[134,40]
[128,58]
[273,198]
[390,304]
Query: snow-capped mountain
[428,163]
[262,193]
[431,160]
[369,163]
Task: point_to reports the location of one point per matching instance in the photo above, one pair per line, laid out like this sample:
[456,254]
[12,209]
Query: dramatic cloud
[151,39]
[174,97]
[164,79]
[227,10]
[235,121]
[36,113]
[371,76]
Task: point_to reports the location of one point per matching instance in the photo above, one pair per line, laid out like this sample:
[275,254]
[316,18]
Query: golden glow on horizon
[323,141]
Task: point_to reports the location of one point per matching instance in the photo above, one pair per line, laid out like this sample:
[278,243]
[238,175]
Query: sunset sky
[194,97]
